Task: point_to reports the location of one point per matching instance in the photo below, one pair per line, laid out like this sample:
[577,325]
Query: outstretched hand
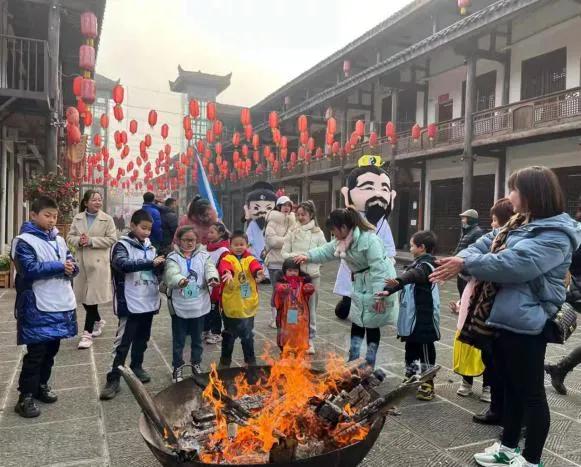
[227,277]
[260,276]
[447,269]
[301,259]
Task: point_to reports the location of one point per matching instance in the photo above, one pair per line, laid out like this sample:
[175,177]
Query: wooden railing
[24,67]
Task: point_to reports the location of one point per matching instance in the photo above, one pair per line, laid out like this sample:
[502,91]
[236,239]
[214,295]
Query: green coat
[366,254]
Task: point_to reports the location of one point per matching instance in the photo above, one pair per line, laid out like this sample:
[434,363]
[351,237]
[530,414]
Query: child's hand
[260,276]
[301,259]
[213,282]
[391,282]
[69,267]
[382,294]
[227,277]
[158,260]
[183,283]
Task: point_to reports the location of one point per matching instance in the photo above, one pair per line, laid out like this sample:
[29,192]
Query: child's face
[213,234]
[188,242]
[286,208]
[238,246]
[141,230]
[292,272]
[45,219]
[340,233]
[417,250]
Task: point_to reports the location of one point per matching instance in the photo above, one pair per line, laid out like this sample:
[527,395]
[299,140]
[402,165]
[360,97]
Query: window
[544,74]
[485,92]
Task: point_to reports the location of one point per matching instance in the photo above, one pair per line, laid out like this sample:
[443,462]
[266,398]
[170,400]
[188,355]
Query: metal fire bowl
[178,400]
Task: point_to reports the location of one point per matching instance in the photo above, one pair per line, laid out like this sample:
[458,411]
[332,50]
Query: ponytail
[349,218]
[222,230]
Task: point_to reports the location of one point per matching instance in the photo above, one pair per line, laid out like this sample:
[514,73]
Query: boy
[240,271]
[45,302]
[136,298]
[418,323]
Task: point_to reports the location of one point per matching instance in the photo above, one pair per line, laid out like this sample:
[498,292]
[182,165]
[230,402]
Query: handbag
[560,327]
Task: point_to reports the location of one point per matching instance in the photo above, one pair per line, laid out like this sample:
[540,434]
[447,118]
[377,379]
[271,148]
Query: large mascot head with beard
[259,202]
[369,189]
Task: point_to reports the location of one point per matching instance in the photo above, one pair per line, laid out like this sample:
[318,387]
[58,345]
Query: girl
[188,273]
[520,284]
[278,223]
[92,233]
[363,251]
[291,298]
[304,237]
[218,246]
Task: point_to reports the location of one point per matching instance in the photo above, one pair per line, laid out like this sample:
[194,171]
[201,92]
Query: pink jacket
[464,302]
[201,230]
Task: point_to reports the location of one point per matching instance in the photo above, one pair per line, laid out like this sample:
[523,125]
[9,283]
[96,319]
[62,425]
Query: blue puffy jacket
[530,272]
[156,230]
[35,326]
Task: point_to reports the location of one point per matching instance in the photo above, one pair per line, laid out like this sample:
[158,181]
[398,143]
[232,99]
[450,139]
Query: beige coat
[278,225]
[93,284]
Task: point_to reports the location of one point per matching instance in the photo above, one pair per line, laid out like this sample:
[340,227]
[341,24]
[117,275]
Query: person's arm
[417,275]
[287,246]
[172,275]
[273,241]
[211,271]
[323,254]
[31,269]
[377,261]
[74,235]
[121,262]
[106,241]
[320,239]
[255,267]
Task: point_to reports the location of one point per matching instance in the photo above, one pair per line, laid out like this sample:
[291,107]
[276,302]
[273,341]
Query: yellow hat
[370,159]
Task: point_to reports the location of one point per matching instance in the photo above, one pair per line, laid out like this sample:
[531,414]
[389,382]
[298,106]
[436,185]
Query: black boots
[46,394]
[487,417]
[559,371]
[112,387]
[26,407]
[142,375]
[342,308]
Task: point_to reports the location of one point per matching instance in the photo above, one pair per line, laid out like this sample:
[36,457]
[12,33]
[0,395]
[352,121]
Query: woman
[304,237]
[363,251]
[92,234]
[279,222]
[201,216]
[528,262]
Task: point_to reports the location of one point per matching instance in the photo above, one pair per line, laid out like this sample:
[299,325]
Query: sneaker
[178,375]
[557,378]
[520,461]
[46,394]
[486,417]
[213,338]
[496,455]
[110,390]
[311,349]
[98,328]
[142,375]
[486,395]
[196,369]
[86,340]
[465,389]
[426,392]
[273,323]
[26,407]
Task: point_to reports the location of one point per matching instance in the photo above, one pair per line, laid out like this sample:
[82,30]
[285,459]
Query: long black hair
[222,230]
[198,207]
[86,197]
[350,218]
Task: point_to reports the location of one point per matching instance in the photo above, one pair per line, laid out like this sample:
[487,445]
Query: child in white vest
[45,306]
[189,272]
[136,300]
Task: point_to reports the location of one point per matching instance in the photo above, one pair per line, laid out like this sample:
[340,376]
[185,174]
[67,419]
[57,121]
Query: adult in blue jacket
[526,272]
[149,205]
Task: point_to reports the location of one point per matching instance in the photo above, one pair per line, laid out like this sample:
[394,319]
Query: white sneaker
[196,369]
[311,350]
[213,338]
[486,395]
[520,461]
[86,340]
[465,389]
[273,323]
[177,375]
[98,328]
[497,455]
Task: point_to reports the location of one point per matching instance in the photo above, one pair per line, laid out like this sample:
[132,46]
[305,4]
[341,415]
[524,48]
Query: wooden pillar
[394,106]
[468,166]
[500,177]
[305,191]
[54,27]
[422,197]
[3,189]
[427,95]
[507,69]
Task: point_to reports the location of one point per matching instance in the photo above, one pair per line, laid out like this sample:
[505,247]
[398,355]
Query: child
[218,246]
[136,298]
[188,272]
[45,307]
[240,271]
[291,299]
[418,324]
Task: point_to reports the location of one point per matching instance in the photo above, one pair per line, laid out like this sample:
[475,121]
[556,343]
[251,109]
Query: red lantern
[463,5]
[118,94]
[194,108]
[416,132]
[133,126]
[329,138]
[346,68]
[302,123]
[210,136]
[336,147]
[293,158]
[318,153]
[331,126]
[304,137]
[164,131]
[73,134]
[189,134]
[245,117]
[87,57]
[217,128]
[432,131]
[255,140]
[81,106]
[273,120]
[89,25]
[283,154]
[218,148]
[167,149]
[97,140]
[245,150]
[123,135]
[373,139]
[187,123]
[266,152]
[311,144]
[284,142]
[125,152]
[88,91]
[200,146]
[347,149]
[152,118]
[87,119]
[72,116]
[235,156]
[148,140]
[276,136]
[77,82]
[256,157]
[354,139]
[360,128]
[118,112]
[236,139]
[390,131]
[211,111]
[104,121]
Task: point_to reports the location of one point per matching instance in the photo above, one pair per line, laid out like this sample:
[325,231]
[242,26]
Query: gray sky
[264,43]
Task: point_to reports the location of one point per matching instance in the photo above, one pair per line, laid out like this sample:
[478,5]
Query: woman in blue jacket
[521,284]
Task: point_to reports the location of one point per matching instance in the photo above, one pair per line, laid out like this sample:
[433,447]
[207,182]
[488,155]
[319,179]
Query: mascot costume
[369,192]
[259,202]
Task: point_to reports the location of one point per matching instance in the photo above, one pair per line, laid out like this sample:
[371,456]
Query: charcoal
[250,458]
[309,449]
[359,397]
[251,402]
[203,415]
[330,412]
[284,451]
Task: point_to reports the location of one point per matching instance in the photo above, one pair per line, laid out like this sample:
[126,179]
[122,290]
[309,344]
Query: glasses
[188,240]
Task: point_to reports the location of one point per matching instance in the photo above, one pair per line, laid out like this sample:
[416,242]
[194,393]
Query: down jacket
[278,225]
[302,239]
[35,326]
[530,272]
[156,230]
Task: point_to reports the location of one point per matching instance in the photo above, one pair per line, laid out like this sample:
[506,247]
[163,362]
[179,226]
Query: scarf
[475,332]
[343,245]
[213,246]
[308,226]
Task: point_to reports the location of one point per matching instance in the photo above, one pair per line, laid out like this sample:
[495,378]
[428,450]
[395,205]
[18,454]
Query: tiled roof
[185,76]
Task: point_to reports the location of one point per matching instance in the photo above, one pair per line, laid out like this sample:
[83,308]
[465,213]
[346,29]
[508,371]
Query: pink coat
[464,302]
[201,230]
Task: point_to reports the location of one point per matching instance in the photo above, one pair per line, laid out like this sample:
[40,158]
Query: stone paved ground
[81,430]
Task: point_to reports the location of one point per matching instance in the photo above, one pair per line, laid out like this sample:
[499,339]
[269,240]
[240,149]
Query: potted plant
[58,187]
[4,271]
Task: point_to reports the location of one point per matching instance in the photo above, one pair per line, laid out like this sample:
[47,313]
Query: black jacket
[469,235]
[169,224]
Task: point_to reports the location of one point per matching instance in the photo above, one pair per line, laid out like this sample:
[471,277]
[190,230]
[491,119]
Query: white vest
[192,301]
[54,294]
[216,254]
[141,287]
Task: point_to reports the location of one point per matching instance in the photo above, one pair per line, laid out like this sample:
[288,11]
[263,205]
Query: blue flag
[205,189]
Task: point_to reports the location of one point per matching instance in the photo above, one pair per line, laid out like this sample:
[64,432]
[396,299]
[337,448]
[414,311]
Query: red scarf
[217,245]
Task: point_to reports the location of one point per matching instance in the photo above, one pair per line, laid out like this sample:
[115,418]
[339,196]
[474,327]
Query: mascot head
[259,202]
[369,190]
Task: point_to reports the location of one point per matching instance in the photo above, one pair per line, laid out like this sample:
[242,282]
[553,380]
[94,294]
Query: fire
[285,412]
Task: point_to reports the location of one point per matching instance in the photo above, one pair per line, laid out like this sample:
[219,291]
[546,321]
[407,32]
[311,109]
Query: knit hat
[470,213]
[283,200]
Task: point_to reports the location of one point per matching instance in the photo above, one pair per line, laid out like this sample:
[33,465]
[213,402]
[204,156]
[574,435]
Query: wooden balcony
[24,68]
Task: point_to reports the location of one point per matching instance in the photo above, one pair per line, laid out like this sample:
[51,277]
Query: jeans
[180,329]
[133,333]
[213,320]
[313,304]
[521,358]
[234,328]
[91,317]
[373,337]
[425,353]
[37,366]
